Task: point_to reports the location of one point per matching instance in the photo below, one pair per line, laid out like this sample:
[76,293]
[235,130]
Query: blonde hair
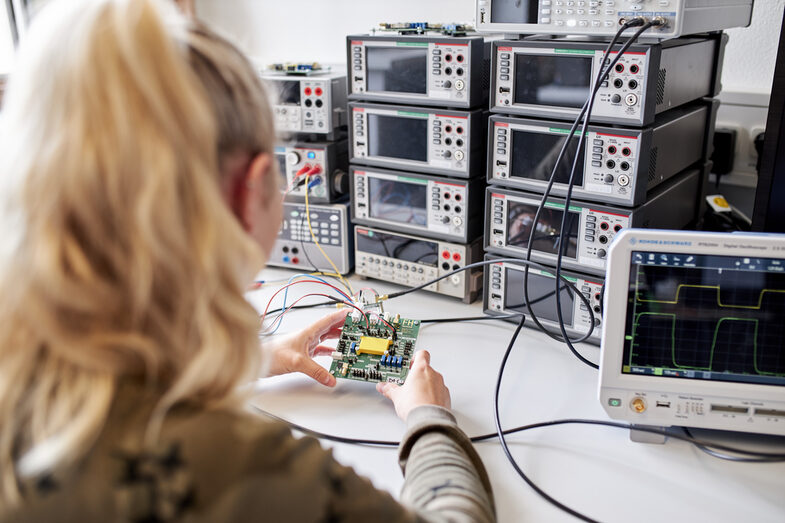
[120,259]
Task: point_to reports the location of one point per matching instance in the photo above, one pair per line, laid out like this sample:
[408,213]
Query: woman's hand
[424,386]
[295,352]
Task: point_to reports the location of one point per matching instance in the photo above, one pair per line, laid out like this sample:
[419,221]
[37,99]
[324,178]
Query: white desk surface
[595,470]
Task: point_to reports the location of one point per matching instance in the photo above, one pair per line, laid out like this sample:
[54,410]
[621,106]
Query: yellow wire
[313,237]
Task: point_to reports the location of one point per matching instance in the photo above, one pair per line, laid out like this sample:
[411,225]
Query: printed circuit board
[371,350]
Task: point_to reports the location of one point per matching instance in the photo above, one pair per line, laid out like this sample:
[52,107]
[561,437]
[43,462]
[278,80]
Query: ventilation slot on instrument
[653,164]
[661,86]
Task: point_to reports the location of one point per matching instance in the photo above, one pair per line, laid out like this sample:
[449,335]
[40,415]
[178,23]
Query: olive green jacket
[229,466]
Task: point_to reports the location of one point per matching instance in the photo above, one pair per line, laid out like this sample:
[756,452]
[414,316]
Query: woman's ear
[252,198]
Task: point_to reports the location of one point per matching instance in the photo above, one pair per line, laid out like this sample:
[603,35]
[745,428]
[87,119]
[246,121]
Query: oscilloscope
[694,330]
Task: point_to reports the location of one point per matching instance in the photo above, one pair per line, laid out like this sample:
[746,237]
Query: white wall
[314,30]
[752,51]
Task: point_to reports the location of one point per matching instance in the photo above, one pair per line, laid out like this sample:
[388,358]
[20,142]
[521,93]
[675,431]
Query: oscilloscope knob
[447,84]
[601,253]
[445,219]
[293,158]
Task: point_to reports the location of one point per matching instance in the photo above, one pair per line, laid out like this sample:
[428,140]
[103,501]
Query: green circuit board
[375,352]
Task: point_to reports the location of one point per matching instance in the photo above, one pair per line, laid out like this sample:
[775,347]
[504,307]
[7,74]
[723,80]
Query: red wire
[280,316]
[385,322]
[264,315]
[315,169]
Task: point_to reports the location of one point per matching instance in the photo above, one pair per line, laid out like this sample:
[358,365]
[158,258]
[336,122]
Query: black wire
[503,441]
[472,318]
[719,455]
[603,75]
[586,110]
[769,456]
[511,261]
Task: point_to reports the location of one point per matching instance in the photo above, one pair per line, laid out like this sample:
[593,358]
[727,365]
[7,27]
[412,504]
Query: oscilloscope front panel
[698,341]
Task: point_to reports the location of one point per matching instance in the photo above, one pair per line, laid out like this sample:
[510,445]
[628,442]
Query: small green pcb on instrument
[375,352]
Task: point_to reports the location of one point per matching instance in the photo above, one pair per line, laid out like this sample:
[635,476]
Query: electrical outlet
[747,114]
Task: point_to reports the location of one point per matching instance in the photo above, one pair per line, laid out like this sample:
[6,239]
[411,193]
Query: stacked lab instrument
[309,108]
[643,162]
[417,128]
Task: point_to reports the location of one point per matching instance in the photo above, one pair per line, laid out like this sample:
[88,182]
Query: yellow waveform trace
[719,301]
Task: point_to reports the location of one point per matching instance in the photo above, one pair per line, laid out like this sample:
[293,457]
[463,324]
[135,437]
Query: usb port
[497,231]
[309,123]
[770,412]
[501,162]
[362,144]
[730,409]
[496,296]
[504,89]
[664,404]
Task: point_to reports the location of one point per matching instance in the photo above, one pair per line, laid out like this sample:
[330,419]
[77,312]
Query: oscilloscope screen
[718,318]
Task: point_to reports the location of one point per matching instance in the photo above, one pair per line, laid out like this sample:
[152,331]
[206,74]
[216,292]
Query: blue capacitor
[398,361]
[353,347]
[384,359]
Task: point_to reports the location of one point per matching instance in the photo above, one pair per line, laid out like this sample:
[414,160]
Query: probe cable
[586,110]
[571,183]
[765,457]
[337,274]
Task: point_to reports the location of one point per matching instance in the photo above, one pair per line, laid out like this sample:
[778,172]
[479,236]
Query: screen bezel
[414,94]
[580,172]
[533,273]
[534,205]
[614,317]
[397,159]
[282,88]
[710,263]
[516,76]
[409,182]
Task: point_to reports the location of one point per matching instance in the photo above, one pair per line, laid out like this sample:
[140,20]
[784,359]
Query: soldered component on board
[369,345]
[375,352]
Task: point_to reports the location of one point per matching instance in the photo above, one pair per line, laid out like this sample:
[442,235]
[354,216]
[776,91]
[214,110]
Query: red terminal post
[318,91]
[307,91]
[446,255]
[456,256]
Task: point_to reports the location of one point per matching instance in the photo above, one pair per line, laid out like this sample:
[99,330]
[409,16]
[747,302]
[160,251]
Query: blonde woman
[137,198]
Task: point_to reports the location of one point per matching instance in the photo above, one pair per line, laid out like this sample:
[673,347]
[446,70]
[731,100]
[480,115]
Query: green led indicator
[409,113]
[628,338]
[614,402]
[566,131]
[560,206]
[574,51]
[657,371]
[412,180]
